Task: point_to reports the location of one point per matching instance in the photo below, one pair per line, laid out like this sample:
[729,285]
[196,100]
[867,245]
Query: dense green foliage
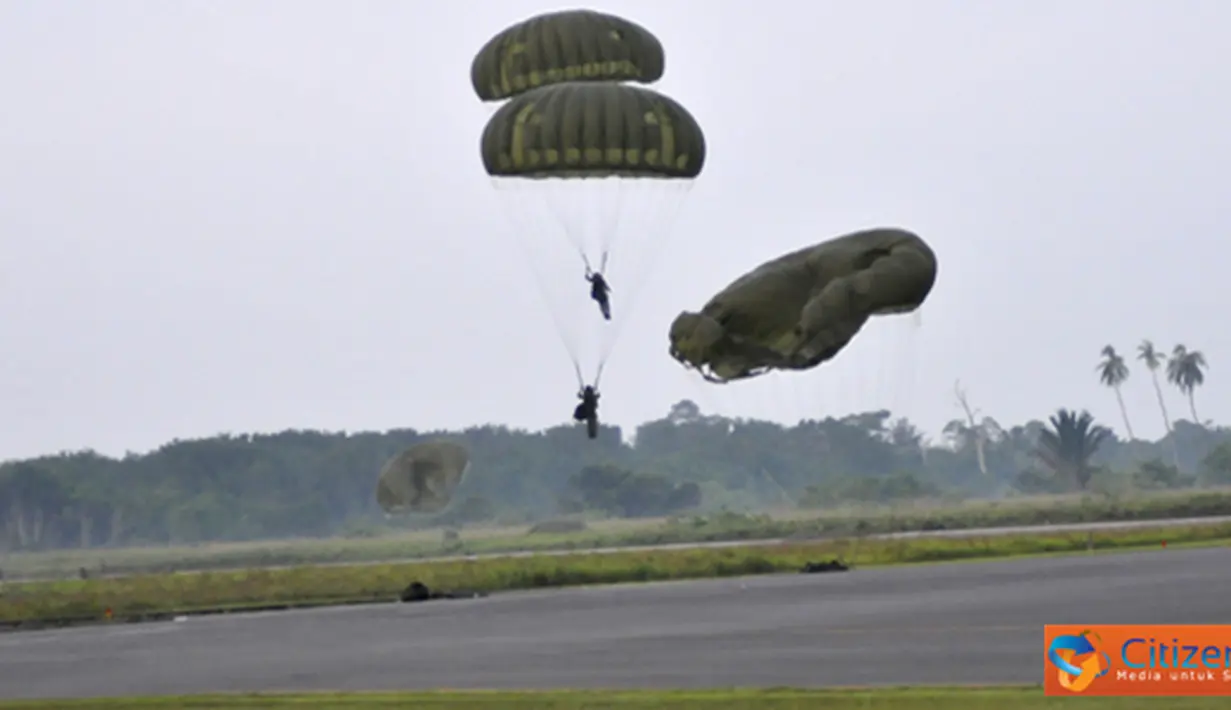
[310,483]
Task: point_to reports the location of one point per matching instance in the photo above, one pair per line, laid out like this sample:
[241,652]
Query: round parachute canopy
[801,309]
[580,129]
[423,478]
[573,45]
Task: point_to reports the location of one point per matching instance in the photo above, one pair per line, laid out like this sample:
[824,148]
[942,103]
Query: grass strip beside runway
[1009,698]
[132,597]
[388,544]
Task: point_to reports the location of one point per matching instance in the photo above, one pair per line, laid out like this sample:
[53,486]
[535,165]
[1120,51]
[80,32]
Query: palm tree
[1184,370]
[1067,447]
[1113,372]
[1153,359]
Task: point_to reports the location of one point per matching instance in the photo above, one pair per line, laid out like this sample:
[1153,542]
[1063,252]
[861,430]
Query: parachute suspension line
[662,216]
[894,359]
[885,389]
[596,225]
[787,397]
[559,213]
[908,330]
[878,370]
[581,382]
[561,205]
[800,397]
[704,394]
[534,220]
[519,223]
[784,396]
[594,212]
[568,201]
[610,233]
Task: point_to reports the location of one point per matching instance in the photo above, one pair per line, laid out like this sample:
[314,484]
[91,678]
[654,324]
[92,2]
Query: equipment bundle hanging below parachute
[581,147]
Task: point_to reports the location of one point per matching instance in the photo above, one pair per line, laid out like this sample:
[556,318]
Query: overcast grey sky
[257,215]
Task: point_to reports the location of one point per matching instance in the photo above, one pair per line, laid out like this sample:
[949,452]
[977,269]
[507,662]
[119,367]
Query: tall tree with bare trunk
[1153,360]
[1185,370]
[1113,372]
[974,431]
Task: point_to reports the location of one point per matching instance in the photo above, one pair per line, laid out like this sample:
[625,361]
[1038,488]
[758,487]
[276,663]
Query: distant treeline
[312,483]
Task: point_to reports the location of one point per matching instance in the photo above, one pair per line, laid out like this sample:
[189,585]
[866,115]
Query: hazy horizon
[271,215]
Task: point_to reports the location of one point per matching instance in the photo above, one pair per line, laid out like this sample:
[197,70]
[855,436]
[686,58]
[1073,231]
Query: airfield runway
[953,623]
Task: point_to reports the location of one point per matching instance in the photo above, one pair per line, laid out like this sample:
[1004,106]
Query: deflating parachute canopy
[422,479]
[573,45]
[801,309]
[579,129]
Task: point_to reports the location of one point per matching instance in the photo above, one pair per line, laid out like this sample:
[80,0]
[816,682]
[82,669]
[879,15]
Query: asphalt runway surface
[936,624]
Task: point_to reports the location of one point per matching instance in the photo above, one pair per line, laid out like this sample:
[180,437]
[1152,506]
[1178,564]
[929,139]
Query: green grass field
[307,585]
[895,699]
[391,545]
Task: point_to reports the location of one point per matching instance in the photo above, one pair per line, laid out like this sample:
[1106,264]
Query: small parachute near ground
[423,478]
[801,309]
[571,45]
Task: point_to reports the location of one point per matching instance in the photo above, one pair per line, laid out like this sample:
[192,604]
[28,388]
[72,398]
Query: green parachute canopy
[801,309]
[572,45]
[423,478]
[581,129]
